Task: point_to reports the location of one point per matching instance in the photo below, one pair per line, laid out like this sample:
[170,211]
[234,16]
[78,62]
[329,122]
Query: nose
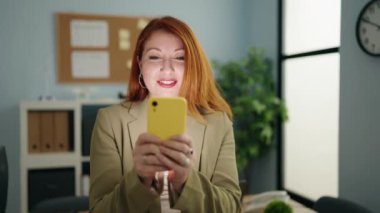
[167,65]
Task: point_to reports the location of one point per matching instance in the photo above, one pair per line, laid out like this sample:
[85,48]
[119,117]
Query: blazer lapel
[137,126]
[196,132]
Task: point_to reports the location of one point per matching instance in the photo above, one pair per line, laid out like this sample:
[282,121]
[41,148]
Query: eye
[180,58]
[153,57]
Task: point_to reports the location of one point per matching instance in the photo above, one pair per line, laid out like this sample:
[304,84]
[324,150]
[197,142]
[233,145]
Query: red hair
[198,86]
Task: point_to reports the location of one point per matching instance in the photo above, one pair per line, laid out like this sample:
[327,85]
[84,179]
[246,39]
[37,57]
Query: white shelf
[48,105]
[54,160]
[85,158]
[100,102]
[51,160]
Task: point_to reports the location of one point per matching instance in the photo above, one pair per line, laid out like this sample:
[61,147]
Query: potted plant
[248,86]
[278,206]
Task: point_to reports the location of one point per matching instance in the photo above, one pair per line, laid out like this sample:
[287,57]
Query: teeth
[167,82]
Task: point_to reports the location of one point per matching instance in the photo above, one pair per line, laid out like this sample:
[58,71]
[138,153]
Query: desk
[297,207]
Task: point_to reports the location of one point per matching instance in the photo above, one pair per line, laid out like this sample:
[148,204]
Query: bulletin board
[96,48]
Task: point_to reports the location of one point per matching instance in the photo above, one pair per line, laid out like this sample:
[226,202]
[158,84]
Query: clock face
[368,28]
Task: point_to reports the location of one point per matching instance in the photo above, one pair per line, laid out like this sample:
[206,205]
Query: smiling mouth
[167,83]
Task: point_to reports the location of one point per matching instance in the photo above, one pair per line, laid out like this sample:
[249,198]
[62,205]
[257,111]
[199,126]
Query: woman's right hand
[145,159]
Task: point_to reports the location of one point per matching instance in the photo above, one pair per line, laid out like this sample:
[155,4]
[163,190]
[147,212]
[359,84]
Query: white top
[165,203]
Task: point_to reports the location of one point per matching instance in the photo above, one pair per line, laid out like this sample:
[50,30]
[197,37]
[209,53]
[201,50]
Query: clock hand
[371,23]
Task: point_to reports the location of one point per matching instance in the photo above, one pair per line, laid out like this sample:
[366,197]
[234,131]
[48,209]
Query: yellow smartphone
[166,116]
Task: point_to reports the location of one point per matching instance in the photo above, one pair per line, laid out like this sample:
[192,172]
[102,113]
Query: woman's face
[163,64]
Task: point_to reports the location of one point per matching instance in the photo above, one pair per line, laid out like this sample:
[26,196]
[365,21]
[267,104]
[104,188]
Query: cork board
[95,48]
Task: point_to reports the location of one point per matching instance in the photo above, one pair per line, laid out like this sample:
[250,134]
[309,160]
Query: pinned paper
[90,64]
[85,33]
[124,45]
[141,23]
[124,33]
[124,39]
[129,64]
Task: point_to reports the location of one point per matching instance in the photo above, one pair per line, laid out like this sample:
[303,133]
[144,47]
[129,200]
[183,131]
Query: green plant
[278,206]
[248,86]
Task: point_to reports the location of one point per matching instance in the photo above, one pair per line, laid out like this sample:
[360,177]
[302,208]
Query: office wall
[27,53]
[262,31]
[359,143]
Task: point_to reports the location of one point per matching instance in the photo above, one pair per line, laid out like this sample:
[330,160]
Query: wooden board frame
[119,58]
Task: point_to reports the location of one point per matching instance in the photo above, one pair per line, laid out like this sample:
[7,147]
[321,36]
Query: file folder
[34,134]
[47,131]
[61,130]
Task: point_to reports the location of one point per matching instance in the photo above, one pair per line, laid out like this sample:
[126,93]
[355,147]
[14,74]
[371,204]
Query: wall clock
[368,28]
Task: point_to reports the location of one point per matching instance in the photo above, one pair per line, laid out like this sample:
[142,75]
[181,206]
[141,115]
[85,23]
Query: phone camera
[154,103]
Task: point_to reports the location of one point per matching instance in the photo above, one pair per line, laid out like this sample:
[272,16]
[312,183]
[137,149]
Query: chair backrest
[3,179]
[328,204]
[68,204]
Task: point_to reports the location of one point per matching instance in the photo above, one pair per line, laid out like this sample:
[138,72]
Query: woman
[168,61]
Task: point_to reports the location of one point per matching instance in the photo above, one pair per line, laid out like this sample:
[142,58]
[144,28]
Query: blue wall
[359,141]
[262,29]
[27,53]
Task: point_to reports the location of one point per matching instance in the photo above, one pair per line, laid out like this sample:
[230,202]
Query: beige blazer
[212,186]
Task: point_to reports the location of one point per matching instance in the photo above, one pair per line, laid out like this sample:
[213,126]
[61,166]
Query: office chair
[3,179]
[327,204]
[70,204]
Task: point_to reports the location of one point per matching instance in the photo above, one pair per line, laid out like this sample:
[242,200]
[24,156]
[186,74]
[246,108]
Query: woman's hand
[177,155]
[145,159]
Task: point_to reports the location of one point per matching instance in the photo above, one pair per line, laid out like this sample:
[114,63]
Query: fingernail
[171,175]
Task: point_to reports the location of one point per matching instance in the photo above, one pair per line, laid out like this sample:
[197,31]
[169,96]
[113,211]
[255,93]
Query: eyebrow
[155,48]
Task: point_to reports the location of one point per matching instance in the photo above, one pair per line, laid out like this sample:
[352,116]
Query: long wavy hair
[198,86]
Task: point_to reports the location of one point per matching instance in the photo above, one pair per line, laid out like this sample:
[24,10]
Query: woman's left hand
[177,154]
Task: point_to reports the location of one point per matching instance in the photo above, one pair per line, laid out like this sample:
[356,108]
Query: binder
[34,134]
[61,130]
[47,131]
